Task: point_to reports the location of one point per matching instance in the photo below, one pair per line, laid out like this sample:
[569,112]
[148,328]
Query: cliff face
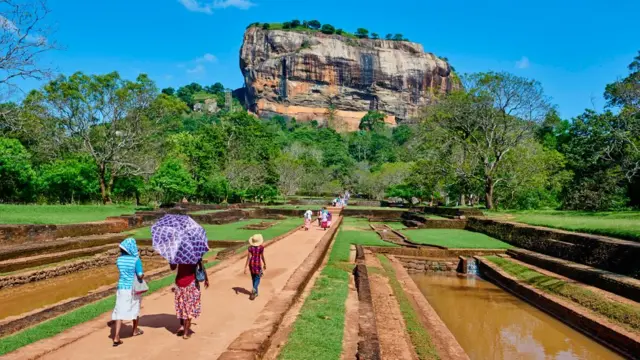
[333,78]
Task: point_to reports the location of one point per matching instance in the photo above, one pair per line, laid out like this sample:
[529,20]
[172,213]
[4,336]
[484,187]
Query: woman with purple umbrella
[183,242]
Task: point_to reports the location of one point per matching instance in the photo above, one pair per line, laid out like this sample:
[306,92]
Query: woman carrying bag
[131,285]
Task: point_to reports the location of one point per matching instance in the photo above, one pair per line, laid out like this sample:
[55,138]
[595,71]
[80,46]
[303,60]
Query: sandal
[138,332]
[187,336]
[117,343]
[180,332]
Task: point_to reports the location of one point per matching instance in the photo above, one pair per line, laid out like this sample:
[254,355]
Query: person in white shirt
[307,219]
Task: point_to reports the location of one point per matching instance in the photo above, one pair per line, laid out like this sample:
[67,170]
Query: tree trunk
[488,193]
[103,185]
[462,199]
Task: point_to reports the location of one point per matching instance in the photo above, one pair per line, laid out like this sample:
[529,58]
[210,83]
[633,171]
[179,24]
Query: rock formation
[313,76]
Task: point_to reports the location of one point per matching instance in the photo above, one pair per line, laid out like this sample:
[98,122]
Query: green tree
[70,180]
[373,120]
[314,24]
[477,127]
[172,181]
[398,37]
[362,33]
[389,37]
[286,25]
[375,36]
[108,118]
[185,93]
[295,23]
[17,177]
[291,173]
[328,29]
[169,91]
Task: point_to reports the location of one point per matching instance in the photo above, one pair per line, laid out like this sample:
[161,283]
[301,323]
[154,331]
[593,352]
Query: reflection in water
[29,297]
[490,323]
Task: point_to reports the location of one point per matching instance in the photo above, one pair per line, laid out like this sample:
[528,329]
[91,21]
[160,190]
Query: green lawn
[233,231]
[453,238]
[318,330]
[61,323]
[622,224]
[60,214]
[624,314]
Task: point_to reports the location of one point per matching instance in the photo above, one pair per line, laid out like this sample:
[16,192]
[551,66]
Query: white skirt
[127,305]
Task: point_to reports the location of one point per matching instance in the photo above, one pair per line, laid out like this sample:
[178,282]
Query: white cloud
[523,63]
[9,26]
[206,7]
[207,58]
[240,4]
[197,6]
[198,69]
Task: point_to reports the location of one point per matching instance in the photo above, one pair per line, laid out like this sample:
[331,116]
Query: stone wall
[451,212]
[391,214]
[420,265]
[619,256]
[415,220]
[18,234]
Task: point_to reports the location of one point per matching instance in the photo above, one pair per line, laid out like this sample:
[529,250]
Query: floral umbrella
[179,239]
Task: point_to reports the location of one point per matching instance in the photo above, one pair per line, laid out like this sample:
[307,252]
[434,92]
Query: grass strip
[81,315]
[318,331]
[624,314]
[61,214]
[454,238]
[420,338]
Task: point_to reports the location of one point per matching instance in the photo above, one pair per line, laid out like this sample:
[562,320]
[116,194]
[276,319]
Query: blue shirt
[128,266]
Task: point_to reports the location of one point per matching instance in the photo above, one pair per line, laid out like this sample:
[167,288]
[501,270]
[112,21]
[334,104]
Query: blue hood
[129,245]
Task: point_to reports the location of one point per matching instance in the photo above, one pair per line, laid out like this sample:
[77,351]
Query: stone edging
[618,284]
[369,344]
[253,343]
[446,344]
[598,328]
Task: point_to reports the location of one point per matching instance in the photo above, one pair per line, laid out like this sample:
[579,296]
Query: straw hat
[256,240]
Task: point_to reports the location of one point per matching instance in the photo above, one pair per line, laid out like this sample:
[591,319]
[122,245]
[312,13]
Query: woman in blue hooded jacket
[127,302]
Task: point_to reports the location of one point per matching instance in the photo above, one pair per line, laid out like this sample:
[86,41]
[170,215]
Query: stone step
[47,247]
[39,260]
[622,285]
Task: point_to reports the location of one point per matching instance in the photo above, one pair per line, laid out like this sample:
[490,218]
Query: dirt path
[226,312]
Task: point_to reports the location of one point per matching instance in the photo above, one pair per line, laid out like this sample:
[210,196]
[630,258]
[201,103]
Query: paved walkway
[226,313]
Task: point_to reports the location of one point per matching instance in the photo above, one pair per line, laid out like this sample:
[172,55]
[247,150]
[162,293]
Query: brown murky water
[490,323]
[29,297]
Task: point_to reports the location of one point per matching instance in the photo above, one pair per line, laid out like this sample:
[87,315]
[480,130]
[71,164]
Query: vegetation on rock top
[316,26]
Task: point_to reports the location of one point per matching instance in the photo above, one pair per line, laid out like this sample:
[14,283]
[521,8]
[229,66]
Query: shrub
[328,29]
[362,33]
[266,26]
[314,24]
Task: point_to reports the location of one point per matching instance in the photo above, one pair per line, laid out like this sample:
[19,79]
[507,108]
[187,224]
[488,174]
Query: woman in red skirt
[187,295]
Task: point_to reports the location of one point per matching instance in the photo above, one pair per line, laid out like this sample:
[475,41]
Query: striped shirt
[128,266]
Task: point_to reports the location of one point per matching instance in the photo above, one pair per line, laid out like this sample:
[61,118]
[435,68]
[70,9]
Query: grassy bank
[624,314]
[86,313]
[318,330]
[420,338]
[453,238]
[234,231]
[621,224]
[60,214]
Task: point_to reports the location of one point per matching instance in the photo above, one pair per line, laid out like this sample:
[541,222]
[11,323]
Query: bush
[70,180]
[328,29]
[17,177]
[314,24]
[362,33]
[266,26]
[173,182]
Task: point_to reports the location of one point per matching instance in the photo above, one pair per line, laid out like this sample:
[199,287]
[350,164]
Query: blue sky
[574,48]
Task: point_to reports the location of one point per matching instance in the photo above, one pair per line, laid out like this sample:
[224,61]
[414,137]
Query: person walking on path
[255,262]
[324,217]
[127,302]
[329,217]
[308,215]
[187,294]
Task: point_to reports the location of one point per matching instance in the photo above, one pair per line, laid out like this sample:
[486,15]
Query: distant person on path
[308,215]
[329,217]
[127,302]
[320,217]
[187,295]
[255,262]
[324,218]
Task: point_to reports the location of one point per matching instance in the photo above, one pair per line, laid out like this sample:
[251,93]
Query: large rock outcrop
[313,76]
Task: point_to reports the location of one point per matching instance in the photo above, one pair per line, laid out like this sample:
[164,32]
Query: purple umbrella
[179,239]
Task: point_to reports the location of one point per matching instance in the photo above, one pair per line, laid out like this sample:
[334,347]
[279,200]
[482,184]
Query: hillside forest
[497,142]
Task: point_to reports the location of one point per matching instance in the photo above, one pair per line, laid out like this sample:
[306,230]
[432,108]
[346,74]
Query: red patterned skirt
[187,302]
